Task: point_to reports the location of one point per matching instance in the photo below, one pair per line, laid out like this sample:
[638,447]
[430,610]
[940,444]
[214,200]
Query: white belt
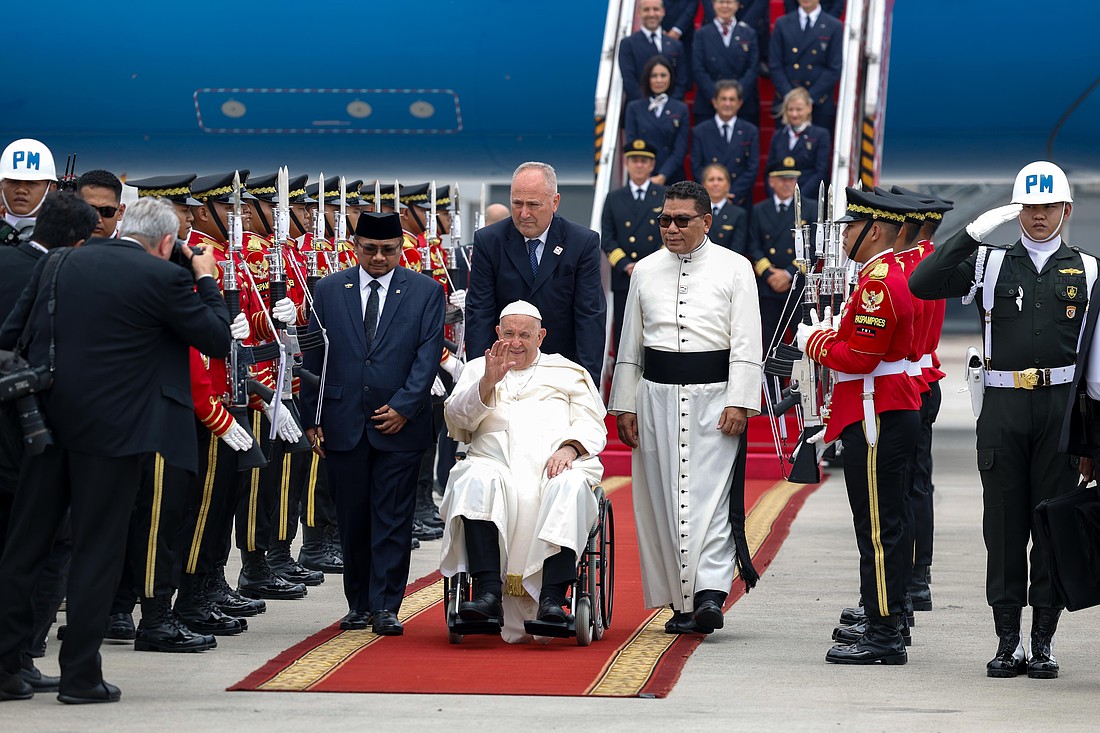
[915,367]
[885,367]
[1029,378]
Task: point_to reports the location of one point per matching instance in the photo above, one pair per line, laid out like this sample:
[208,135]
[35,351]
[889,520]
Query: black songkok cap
[379,226]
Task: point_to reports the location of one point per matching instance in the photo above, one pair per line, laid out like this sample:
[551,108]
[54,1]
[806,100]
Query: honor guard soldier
[27,174]
[1034,295]
[629,230]
[771,251]
[258,494]
[874,412]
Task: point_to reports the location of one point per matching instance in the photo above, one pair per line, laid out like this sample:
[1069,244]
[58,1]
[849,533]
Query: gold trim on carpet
[633,665]
[321,661]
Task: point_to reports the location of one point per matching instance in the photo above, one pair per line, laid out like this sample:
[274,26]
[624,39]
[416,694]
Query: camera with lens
[180,259]
[20,383]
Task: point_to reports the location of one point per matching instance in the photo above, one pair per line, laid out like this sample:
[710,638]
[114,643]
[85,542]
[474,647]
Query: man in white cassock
[520,507]
[687,378]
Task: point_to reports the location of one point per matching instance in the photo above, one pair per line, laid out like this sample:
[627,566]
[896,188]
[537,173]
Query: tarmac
[765,671]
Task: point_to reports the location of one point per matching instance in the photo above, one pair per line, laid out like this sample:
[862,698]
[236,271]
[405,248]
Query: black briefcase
[1068,528]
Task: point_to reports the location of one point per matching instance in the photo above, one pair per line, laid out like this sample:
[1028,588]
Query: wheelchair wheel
[583,621]
[454,638]
[606,567]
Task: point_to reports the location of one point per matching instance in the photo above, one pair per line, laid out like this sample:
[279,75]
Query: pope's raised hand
[498,362]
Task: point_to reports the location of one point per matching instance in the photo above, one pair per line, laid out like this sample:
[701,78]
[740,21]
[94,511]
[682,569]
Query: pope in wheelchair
[520,508]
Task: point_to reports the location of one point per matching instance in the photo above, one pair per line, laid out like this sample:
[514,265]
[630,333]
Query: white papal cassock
[705,301]
[503,478]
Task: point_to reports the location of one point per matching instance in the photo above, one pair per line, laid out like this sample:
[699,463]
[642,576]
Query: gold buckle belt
[1031,378]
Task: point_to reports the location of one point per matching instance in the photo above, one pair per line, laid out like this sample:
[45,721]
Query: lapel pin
[397,292]
[348,285]
[557,250]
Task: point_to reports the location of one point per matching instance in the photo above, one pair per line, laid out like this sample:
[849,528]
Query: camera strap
[50,270]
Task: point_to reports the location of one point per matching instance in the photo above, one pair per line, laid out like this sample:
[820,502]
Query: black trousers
[1019,462]
[257,510]
[101,493]
[375,493]
[315,507]
[157,537]
[921,488]
[215,492]
[875,479]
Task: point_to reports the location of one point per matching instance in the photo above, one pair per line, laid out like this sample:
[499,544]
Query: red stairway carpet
[634,658]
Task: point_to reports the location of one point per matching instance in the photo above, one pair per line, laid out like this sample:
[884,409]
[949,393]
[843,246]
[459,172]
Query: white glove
[838,317]
[237,437]
[438,390]
[287,427]
[990,220]
[452,366]
[285,311]
[239,329]
[458,298]
[805,330]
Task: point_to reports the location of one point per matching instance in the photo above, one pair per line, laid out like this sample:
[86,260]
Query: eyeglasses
[389,250]
[681,221]
[107,212]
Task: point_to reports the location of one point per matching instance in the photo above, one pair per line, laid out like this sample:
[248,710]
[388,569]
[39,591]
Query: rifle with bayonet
[240,356]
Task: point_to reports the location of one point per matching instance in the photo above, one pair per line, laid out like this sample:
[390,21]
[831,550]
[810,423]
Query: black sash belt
[694,367]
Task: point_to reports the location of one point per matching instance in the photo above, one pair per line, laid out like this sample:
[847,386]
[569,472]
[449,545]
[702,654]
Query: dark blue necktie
[370,317]
[532,246]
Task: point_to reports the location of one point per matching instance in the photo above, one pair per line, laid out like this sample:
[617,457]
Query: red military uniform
[877,329]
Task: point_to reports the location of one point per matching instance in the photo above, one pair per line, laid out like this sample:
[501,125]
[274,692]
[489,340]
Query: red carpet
[634,658]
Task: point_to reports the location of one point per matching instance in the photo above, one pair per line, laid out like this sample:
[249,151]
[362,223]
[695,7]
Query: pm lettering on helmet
[1045,183]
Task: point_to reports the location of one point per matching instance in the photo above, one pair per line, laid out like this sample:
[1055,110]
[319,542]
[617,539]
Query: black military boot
[919,590]
[229,601]
[161,630]
[853,615]
[317,552]
[851,633]
[907,610]
[1011,658]
[200,614]
[1044,622]
[423,532]
[283,564]
[258,581]
[120,627]
[881,643]
[426,511]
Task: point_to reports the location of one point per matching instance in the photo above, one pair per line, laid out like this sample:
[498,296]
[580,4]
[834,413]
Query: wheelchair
[590,598]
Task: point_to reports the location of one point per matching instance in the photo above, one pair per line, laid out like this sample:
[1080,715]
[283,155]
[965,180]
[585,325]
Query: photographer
[120,390]
[63,221]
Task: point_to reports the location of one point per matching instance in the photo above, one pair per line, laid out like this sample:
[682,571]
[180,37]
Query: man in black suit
[63,221]
[385,333]
[729,140]
[629,227]
[117,341]
[807,51]
[771,250]
[645,43]
[545,260]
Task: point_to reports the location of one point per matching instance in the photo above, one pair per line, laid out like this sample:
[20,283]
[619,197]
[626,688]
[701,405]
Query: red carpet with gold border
[634,658]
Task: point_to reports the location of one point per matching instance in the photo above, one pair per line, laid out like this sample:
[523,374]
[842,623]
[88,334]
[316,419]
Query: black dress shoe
[415,543]
[680,623]
[39,682]
[385,623]
[708,617]
[104,692]
[355,620]
[14,687]
[425,533]
[551,612]
[483,607]
[880,644]
[120,627]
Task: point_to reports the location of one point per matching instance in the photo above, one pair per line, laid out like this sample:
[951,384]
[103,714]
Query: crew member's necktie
[782,208]
[370,317]
[714,211]
[726,132]
[532,245]
[725,27]
[806,24]
[639,194]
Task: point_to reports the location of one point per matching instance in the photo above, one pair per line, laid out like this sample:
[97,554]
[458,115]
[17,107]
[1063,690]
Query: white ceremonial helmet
[1041,182]
[27,160]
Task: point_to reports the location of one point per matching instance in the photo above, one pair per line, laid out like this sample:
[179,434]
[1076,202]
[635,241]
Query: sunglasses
[388,251]
[107,212]
[681,221]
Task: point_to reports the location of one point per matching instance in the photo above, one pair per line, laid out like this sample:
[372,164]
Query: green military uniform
[1035,324]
